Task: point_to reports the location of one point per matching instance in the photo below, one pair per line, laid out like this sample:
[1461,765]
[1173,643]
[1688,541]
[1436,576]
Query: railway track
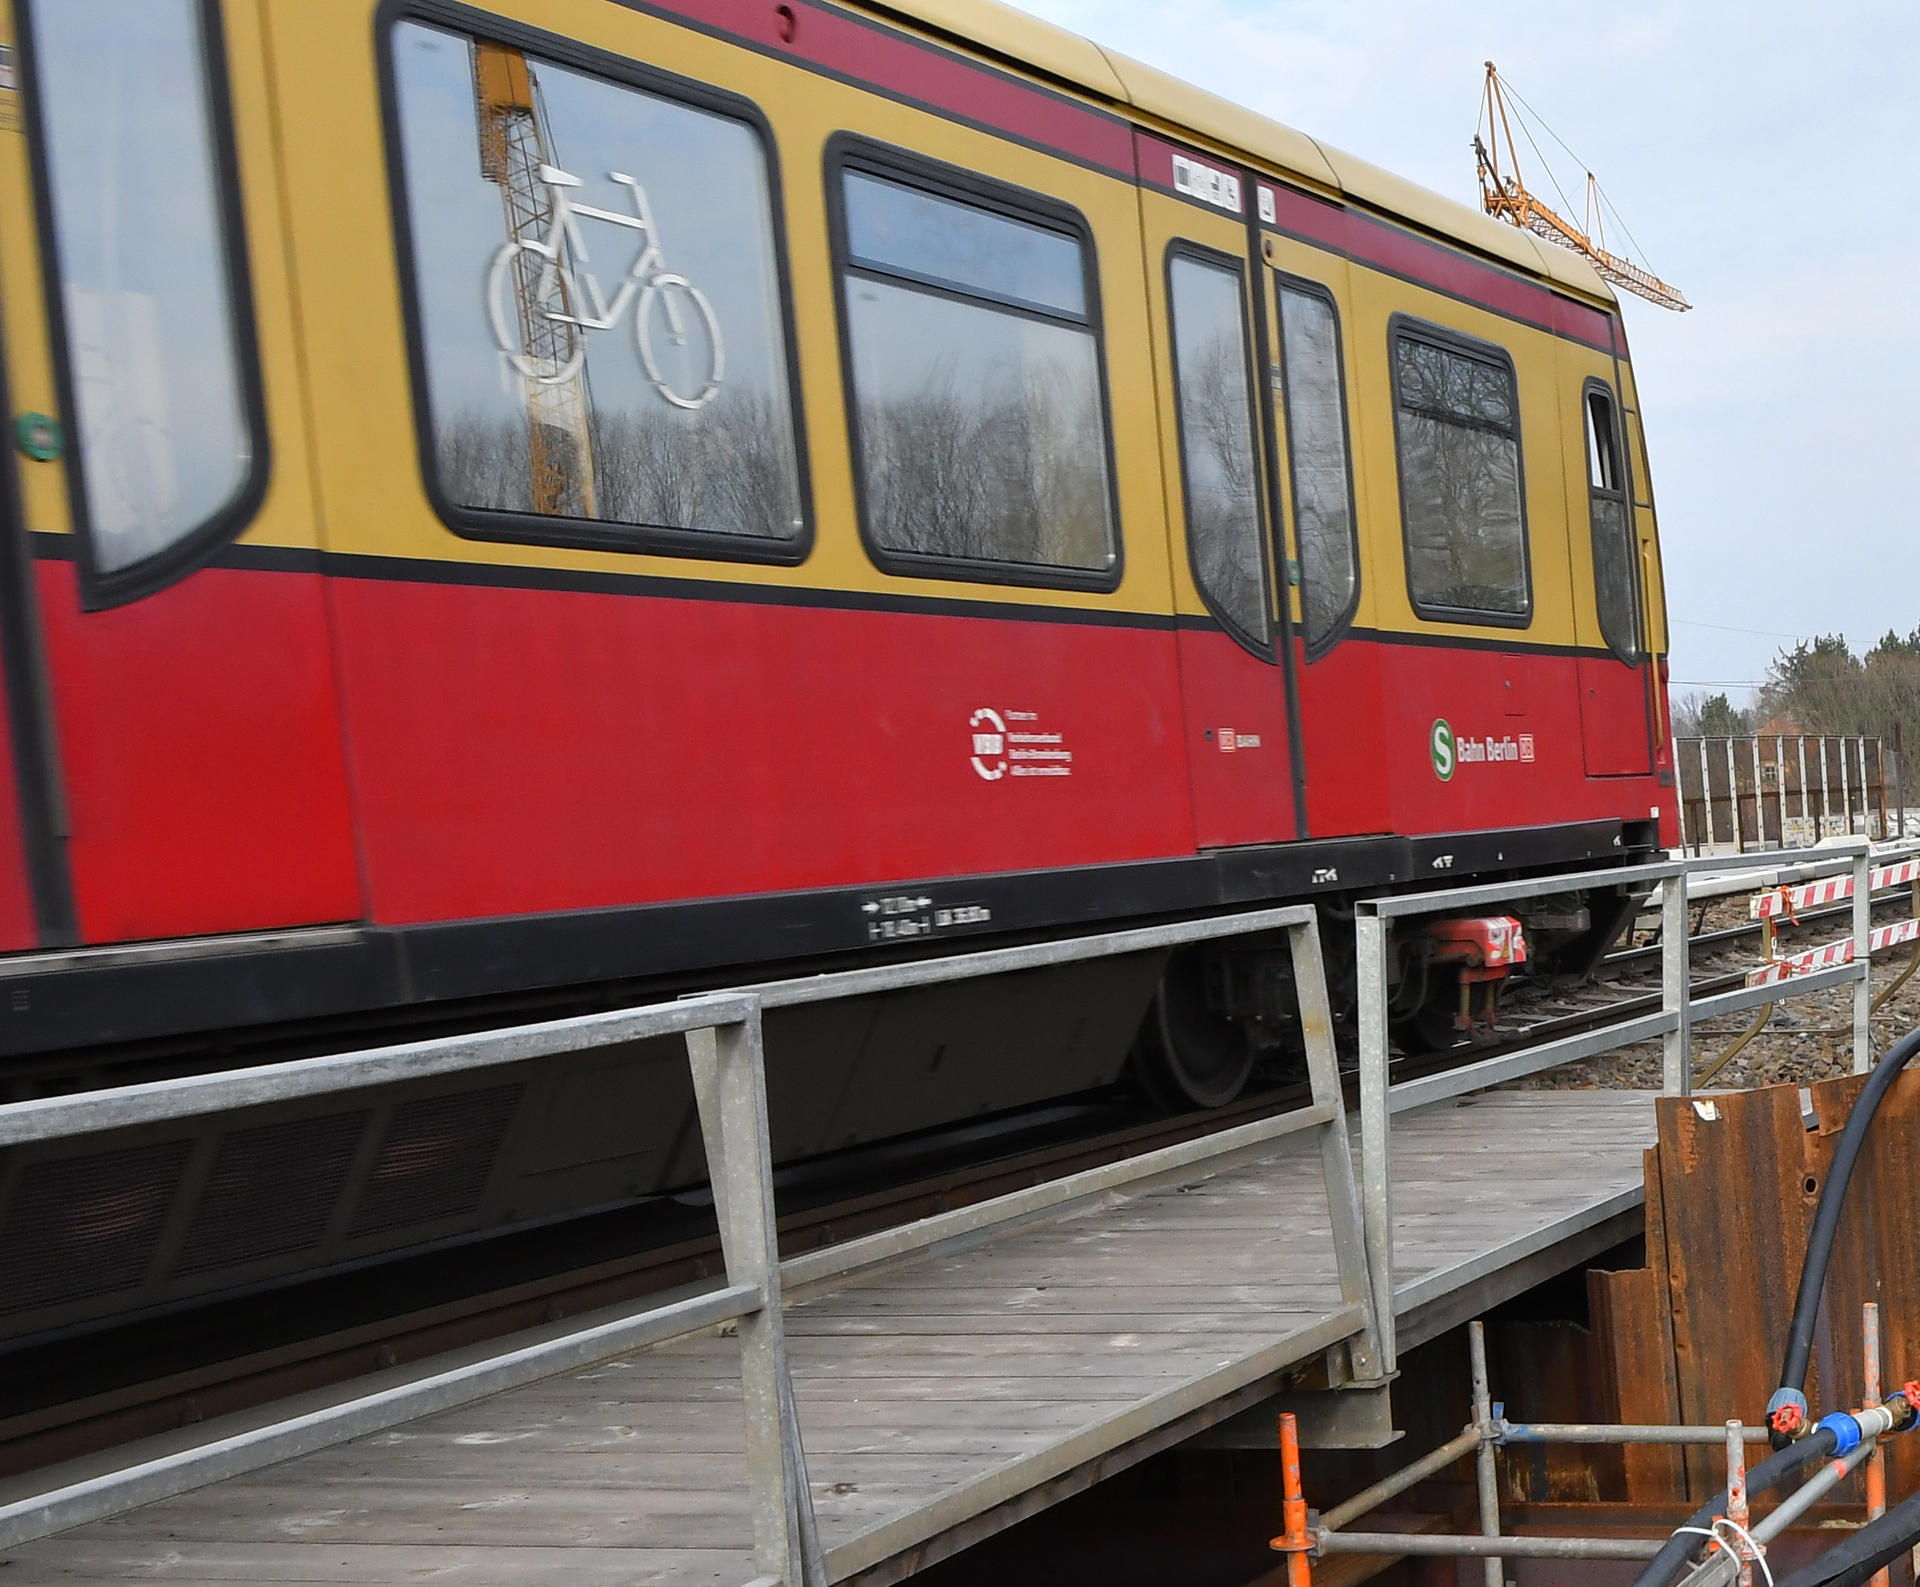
[153,1375]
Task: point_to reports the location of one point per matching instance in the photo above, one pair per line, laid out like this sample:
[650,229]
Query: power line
[1728,628]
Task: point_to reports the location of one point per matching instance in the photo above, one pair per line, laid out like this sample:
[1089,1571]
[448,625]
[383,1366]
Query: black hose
[1826,1219]
[1770,1473]
[1851,1563]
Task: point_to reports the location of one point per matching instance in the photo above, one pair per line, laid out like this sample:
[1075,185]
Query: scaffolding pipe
[1431,1544]
[1485,1478]
[1607,1433]
[1407,1477]
[1737,1513]
[1719,1569]
[1877,1461]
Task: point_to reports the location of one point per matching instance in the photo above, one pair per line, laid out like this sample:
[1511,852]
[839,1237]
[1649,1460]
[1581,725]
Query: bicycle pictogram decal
[661,299]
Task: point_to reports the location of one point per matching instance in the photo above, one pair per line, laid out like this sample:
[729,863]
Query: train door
[1614,670]
[165,546]
[1316,513]
[1233,630]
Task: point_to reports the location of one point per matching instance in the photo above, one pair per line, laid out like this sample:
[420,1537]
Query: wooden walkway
[941,1398]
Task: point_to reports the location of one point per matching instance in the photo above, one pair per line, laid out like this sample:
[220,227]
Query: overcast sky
[1766,159]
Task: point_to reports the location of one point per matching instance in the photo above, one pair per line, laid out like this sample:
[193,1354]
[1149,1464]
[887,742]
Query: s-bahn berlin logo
[1448,752]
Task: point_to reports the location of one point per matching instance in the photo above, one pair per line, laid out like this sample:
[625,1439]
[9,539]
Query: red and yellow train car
[569,497]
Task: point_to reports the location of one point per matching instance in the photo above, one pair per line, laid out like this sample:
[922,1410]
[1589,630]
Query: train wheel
[1430,1030]
[1431,1027]
[1186,1056]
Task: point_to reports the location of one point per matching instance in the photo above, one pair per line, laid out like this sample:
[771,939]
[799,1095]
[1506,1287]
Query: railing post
[1862,936]
[1336,1153]
[730,1088]
[1676,987]
[1376,1181]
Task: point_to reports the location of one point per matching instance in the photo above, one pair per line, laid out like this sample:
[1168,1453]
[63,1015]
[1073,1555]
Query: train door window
[598,304]
[1313,397]
[1457,432]
[1212,382]
[974,377]
[144,242]
[1613,547]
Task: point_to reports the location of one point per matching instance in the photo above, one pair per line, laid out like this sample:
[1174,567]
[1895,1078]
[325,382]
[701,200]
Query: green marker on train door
[1440,748]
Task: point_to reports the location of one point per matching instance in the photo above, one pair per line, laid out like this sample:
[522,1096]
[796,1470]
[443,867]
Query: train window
[1613,548]
[1457,429]
[1314,400]
[975,379]
[169,446]
[598,303]
[1215,409]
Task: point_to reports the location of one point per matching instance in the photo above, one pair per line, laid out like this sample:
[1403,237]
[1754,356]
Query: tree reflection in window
[1459,445]
[1216,441]
[1313,395]
[976,382]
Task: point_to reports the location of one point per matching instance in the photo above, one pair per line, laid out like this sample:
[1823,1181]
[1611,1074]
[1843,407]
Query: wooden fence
[1781,790]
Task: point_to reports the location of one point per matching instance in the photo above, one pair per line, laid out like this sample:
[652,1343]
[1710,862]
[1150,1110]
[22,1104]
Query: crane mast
[1504,195]
[514,144]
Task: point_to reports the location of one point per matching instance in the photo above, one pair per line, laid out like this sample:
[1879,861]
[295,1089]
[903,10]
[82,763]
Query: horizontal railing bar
[48,1118]
[1394,905]
[1839,856]
[165,1475]
[1410,1094]
[1431,1545]
[1028,956]
[907,1239]
[1745,997]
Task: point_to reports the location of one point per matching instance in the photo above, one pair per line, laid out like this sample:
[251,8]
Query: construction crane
[514,145]
[1504,196]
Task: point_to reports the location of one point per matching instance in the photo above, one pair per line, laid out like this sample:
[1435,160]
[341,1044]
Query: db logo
[989,744]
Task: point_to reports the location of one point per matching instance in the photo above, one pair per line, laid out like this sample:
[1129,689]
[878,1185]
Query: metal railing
[1381,1097]
[723,1033]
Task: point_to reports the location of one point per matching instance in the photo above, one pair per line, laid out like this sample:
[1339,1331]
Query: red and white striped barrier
[1790,901]
[1841,952]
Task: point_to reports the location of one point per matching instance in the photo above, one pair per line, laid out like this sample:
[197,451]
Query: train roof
[1024,40]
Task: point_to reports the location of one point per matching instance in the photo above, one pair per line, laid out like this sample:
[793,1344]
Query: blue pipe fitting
[1846,1431]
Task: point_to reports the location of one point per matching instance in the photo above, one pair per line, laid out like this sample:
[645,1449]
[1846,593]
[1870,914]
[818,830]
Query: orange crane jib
[1504,195]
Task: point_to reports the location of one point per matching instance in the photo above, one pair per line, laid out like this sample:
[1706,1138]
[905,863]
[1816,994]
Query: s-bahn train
[516,508]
